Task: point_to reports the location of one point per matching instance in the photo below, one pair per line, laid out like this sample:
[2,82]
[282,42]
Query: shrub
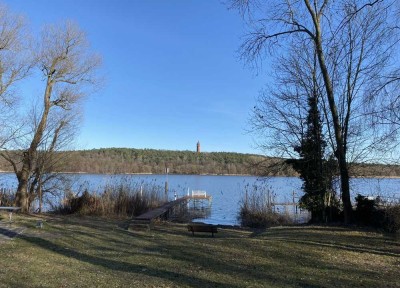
[368,213]
[392,218]
[256,210]
[116,200]
[262,219]
[6,197]
[365,210]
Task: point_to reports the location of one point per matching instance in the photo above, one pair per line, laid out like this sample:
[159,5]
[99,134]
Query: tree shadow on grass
[194,258]
[196,261]
[8,233]
[373,243]
[122,266]
[271,273]
[203,261]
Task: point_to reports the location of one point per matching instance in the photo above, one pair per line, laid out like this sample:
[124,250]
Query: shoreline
[205,174]
[169,174]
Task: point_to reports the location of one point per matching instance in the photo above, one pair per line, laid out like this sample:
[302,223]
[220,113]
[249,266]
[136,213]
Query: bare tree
[14,66]
[281,109]
[46,176]
[68,68]
[354,43]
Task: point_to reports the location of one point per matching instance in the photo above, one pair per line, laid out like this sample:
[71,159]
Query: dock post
[166,184]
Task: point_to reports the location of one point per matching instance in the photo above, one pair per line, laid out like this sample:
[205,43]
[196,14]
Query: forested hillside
[126,160]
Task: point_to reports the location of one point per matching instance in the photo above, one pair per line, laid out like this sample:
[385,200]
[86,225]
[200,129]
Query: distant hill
[124,160]
[375,170]
[129,160]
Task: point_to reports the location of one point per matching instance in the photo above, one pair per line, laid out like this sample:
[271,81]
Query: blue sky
[171,68]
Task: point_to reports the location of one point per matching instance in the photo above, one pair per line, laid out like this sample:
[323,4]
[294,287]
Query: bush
[262,219]
[86,204]
[116,200]
[366,211]
[392,219]
[6,197]
[256,210]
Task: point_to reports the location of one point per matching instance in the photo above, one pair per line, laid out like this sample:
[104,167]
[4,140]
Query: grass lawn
[95,252]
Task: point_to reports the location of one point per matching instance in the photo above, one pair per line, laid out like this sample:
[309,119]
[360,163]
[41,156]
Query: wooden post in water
[246,201]
[166,184]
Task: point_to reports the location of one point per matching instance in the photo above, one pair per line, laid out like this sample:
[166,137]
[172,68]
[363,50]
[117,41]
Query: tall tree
[354,43]
[46,177]
[315,171]
[68,68]
[14,67]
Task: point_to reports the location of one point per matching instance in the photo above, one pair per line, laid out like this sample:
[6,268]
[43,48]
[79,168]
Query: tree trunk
[344,181]
[21,198]
[340,149]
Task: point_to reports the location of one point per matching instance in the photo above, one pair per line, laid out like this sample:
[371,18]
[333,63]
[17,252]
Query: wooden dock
[146,219]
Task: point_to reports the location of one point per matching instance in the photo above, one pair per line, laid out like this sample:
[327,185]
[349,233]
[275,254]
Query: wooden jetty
[163,212]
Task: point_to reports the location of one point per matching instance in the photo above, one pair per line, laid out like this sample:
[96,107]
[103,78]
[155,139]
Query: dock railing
[199,194]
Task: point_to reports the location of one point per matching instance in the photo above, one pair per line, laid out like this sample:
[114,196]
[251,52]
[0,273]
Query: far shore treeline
[129,160]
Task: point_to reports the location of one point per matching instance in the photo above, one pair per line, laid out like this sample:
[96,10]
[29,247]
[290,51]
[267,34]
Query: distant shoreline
[205,174]
[113,161]
[169,174]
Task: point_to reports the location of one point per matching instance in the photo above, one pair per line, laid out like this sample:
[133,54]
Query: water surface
[226,191]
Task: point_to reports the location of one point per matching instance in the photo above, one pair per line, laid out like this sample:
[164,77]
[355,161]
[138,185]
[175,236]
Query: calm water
[226,191]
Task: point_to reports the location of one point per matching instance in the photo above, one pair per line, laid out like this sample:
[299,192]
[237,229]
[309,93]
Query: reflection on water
[199,209]
[188,214]
[226,191]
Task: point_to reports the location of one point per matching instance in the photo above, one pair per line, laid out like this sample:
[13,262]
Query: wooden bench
[202,228]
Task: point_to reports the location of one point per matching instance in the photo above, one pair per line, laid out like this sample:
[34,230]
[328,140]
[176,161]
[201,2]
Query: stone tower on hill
[198,147]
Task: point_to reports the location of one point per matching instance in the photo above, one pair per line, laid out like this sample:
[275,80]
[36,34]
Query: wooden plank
[160,211]
[150,215]
[157,212]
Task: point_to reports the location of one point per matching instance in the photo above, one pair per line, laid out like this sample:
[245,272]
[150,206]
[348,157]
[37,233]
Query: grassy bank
[94,252]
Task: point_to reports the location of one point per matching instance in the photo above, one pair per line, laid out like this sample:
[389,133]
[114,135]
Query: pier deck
[163,211]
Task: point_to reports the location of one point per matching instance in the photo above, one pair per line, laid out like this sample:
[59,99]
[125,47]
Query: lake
[226,191]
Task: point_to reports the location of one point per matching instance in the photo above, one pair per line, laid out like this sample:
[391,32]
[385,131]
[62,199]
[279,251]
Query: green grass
[95,252]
